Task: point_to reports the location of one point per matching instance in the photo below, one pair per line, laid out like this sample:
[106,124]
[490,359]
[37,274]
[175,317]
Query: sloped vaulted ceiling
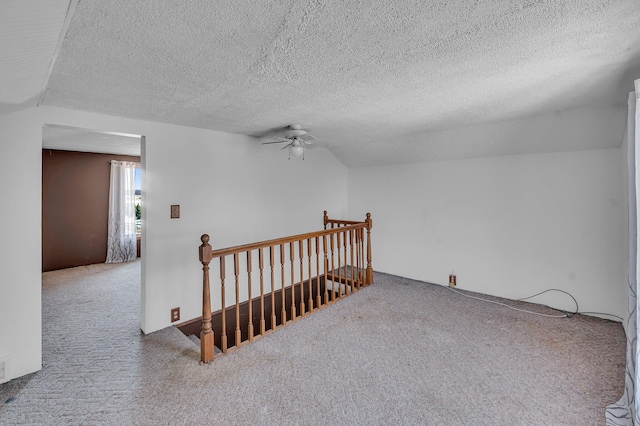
[30,37]
[373,80]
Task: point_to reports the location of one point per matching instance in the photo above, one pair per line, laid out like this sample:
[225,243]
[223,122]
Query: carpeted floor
[397,352]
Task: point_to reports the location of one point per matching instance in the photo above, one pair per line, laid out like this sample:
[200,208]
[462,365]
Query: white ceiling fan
[296,140]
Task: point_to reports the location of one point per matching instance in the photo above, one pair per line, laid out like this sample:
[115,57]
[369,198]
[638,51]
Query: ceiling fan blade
[306,137]
[279,141]
[286,146]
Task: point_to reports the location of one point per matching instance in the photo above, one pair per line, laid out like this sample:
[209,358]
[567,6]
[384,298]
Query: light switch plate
[175,211]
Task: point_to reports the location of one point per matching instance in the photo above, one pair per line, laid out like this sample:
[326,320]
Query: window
[138,200]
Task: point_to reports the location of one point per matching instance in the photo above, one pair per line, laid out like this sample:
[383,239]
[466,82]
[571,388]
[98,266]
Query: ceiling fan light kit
[296,151]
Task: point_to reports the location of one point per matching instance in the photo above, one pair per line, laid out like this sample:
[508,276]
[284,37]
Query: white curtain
[627,410]
[121,243]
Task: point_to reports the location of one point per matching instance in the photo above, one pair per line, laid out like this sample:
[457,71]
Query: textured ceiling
[74,139]
[30,35]
[372,80]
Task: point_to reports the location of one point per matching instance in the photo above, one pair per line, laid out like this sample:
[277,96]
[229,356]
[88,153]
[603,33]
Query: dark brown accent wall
[75,205]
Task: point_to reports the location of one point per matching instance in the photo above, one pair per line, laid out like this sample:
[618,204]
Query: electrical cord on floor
[568,314]
[565,314]
[603,313]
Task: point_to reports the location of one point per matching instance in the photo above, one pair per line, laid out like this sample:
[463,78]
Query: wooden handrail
[338,221]
[342,264]
[344,222]
[285,240]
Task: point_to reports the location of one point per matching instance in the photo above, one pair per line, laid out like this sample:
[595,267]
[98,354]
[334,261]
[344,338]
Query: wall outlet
[175,314]
[452,280]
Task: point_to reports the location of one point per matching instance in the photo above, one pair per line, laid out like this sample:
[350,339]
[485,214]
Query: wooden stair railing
[338,253]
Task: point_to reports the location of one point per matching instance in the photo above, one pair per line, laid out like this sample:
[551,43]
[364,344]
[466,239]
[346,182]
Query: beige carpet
[398,352]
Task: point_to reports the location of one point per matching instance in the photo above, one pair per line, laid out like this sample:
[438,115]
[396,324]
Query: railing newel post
[207,351]
[369,272]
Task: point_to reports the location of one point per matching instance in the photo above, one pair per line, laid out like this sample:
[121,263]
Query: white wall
[20,249]
[624,153]
[235,190]
[508,226]
[227,185]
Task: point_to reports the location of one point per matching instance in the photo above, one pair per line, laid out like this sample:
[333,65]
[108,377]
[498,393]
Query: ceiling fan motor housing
[294,133]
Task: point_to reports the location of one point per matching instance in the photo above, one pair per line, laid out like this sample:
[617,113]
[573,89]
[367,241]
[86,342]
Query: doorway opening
[75,194]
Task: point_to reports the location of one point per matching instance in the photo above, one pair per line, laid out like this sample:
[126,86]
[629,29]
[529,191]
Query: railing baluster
[293,282]
[302,305]
[250,325]
[223,334]
[356,282]
[283,313]
[345,268]
[333,278]
[236,271]
[339,250]
[273,291]
[345,247]
[310,302]
[318,298]
[369,273]
[362,257]
[358,254]
[326,269]
[261,266]
[352,259]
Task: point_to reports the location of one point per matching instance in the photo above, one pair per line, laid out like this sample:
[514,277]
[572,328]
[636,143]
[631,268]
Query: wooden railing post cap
[205,249]
[369,221]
